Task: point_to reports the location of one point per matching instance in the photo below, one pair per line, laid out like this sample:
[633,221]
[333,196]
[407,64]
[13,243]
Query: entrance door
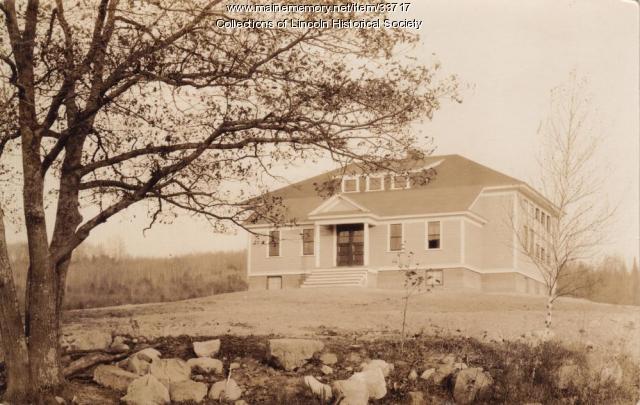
[350,249]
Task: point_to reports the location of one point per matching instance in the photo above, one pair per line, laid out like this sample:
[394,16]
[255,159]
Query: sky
[509,55]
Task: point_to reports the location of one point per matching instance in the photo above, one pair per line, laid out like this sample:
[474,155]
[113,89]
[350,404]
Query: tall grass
[98,279]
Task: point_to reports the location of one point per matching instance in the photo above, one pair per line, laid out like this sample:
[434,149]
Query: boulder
[354,358]
[119,345]
[374,381]
[416,398]
[326,370]
[352,392]
[208,348]
[428,373]
[113,377]
[413,375]
[93,341]
[385,367]
[290,354]
[149,354]
[320,390]
[443,372]
[329,359]
[188,391]
[240,402]
[146,390]
[169,371]
[470,383]
[206,365]
[138,366]
[225,390]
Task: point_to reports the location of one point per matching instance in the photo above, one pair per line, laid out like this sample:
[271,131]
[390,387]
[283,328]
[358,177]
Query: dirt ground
[362,312]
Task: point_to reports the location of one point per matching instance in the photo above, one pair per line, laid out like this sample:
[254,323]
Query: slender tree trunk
[12,335]
[547,322]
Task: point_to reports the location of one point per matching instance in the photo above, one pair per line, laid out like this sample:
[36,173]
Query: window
[548,223]
[399,182]
[433,235]
[526,238]
[274,243]
[531,240]
[395,237]
[274,282]
[308,242]
[538,214]
[543,255]
[350,185]
[434,278]
[375,183]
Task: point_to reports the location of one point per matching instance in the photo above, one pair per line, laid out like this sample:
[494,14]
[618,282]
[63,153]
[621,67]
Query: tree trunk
[12,336]
[547,321]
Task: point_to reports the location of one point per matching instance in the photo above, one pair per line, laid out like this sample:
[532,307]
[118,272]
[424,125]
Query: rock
[326,370]
[225,390]
[113,377]
[138,366]
[568,375]
[320,390]
[459,366]
[426,374]
[329,359]
[385,367]
[413,375]
[442,373]
[416,398]
[208,348]
[146,390]
[169,371]
[292,353]
[374,381]
[60,400]
[206,365]
[448,359]
[149,354]
[354,358]
[352,392]
[240,402]
[93,341]
[470,383]
[185,391]
[234,366]
[119,345]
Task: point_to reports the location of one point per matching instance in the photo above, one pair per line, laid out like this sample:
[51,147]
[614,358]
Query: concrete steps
[336,278]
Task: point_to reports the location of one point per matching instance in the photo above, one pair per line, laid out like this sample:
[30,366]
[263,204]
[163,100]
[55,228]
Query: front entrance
[350,248]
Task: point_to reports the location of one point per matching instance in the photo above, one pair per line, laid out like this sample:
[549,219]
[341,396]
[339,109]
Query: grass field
[362,312]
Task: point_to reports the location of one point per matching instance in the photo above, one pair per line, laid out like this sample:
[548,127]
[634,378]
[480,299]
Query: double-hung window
[274,243]
[395,237]
[433,235]
[308,242]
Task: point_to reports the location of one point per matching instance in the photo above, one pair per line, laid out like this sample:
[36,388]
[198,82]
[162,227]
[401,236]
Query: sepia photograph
[319,202]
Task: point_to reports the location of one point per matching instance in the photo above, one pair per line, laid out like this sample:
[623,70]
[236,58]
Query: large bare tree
[116,102]
[572,179]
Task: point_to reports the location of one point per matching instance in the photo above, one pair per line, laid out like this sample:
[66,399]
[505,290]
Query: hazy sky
[510,53]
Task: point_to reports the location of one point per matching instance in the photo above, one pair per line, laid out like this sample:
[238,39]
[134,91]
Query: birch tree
[572,180]
[117,102]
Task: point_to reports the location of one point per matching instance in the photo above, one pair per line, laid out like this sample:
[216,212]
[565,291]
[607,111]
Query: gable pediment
[339,204]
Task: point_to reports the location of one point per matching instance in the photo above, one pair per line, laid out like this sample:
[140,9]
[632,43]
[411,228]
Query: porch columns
[366,243]
[316,242]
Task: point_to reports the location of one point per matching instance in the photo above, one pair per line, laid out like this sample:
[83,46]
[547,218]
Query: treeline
[610,281]
[98,279]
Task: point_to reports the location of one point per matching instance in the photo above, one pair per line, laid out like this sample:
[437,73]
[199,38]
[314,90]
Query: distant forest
[609,281]
[98,278]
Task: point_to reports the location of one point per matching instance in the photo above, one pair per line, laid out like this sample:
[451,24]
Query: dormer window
[375,183]
[399,182]
[350,184]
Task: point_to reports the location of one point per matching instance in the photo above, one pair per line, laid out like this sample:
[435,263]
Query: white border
[355,177]
[402,241]
[376,176]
